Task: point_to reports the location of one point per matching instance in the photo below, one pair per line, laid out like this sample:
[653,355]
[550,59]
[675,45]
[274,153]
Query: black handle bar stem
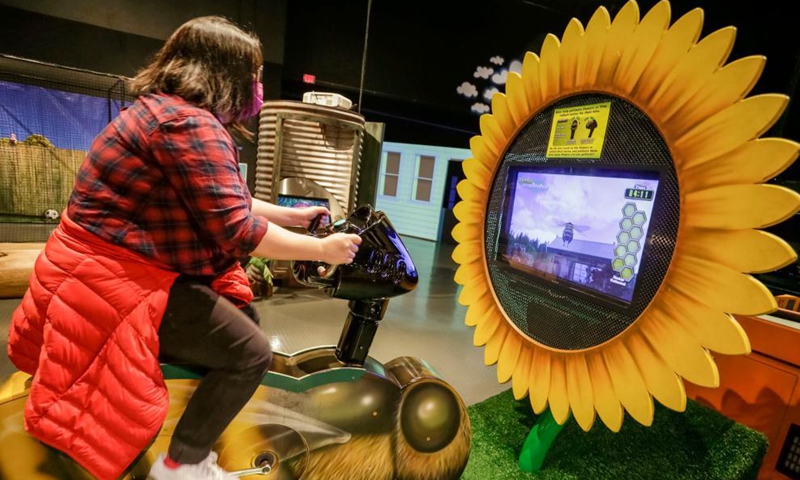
[359,330]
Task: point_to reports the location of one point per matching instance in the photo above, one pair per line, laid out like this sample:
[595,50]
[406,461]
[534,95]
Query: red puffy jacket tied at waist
[87,331]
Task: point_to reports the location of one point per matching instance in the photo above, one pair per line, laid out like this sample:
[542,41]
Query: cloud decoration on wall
[483,72]
[468,90]
[480,108]
[500,77]
[488,78]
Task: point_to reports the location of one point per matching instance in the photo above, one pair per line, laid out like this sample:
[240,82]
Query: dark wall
[417,56]
[120,37]
[65,42]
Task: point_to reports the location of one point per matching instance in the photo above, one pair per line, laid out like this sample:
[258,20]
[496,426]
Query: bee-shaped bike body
[325,413]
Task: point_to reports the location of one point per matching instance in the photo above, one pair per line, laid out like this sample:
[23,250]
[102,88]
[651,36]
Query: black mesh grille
[549,315]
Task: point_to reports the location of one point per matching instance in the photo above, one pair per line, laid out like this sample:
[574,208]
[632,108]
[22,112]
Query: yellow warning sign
[579,132]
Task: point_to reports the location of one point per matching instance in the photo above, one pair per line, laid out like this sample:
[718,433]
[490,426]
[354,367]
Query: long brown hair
[210,62]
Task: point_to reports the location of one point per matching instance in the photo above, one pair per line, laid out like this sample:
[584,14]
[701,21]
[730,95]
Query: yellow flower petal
[628,383]
[531,67]
[579,389]
[754,162]
[469,211]
[550,67]
[482,153]
[679,349]
[672,48]
[522,374]
[472,292]
[619,35]
[517,100]
[637,54]
[478,174]
[592,48]
[729,129]
[694,70]
[509,355]
[467,252]
[570,49]
[738,207]
[481,308]
[661,381]
[719,286]
[501,113]
[469,272]
[539,383]
[485,330]
[726,86]
[748,251]
[468,190]
[558,397]
[713,329]
[605,400]
[492,134]
[492,350]
[467,232]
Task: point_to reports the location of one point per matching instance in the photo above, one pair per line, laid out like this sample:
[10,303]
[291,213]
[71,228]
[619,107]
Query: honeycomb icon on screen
[629,241]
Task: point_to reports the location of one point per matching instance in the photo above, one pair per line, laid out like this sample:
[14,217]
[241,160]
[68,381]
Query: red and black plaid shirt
[163,180]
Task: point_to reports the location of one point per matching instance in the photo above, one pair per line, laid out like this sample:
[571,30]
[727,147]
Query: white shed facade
[411,186]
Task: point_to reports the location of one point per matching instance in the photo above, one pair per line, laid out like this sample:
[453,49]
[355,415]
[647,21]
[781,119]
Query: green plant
[260,277]
[258,269]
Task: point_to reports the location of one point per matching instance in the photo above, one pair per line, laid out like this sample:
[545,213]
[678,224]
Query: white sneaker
[205,470]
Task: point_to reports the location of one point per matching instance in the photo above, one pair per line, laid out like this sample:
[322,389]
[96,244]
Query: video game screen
[302,202]
[578,226]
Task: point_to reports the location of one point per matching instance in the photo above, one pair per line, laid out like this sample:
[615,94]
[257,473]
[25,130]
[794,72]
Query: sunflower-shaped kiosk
[610,218]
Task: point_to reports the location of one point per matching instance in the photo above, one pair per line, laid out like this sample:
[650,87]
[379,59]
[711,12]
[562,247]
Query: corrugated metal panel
[320,143]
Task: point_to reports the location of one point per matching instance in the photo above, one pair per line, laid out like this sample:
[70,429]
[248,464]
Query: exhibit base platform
[762,390]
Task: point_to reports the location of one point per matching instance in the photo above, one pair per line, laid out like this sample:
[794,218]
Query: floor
[427,323]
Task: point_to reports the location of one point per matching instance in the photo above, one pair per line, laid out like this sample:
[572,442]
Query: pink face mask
[253,110]
[258,101]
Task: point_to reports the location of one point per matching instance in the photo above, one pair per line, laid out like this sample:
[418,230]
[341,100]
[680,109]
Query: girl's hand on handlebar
[340,248]
[304,216]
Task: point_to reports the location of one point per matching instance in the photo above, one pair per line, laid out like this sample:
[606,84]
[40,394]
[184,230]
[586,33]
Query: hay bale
[35,178]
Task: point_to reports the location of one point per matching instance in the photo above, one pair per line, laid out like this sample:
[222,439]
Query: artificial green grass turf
[697,444]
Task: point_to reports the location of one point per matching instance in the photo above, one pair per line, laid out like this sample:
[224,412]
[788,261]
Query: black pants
[204,329]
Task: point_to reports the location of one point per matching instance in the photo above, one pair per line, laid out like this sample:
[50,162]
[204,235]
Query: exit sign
[308,78]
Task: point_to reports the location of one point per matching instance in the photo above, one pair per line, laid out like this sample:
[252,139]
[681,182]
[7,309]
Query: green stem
[538,443]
